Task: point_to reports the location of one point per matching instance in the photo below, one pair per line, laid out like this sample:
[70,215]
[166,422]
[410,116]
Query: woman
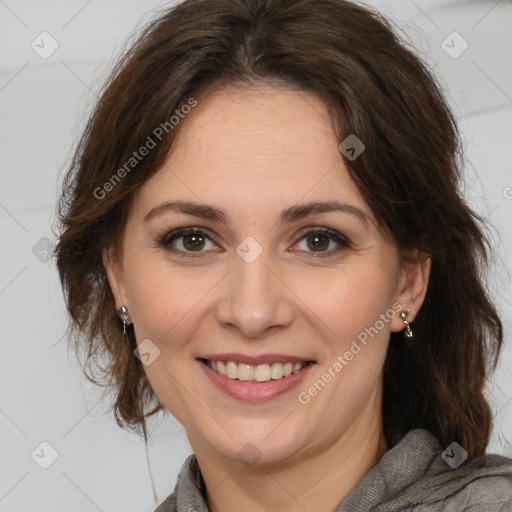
[262,233]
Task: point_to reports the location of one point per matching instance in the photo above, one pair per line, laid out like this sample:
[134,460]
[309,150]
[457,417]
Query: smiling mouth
[261,373]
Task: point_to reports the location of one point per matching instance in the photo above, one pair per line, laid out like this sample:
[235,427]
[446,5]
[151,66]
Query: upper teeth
[260,372]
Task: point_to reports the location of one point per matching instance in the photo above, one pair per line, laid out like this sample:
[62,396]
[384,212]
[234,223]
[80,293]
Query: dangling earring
[408,331]
[125,317]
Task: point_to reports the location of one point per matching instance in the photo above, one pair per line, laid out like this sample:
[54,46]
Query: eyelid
[321,229]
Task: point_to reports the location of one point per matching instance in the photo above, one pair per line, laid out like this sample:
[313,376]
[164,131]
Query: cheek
[165,299]
[349,300]
[154,311]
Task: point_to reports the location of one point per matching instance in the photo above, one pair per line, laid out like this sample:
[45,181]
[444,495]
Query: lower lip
[255,392]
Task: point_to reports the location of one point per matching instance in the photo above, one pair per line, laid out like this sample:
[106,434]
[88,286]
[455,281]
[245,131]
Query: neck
[318,481]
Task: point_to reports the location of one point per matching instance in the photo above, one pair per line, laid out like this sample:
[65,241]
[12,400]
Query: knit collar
[410,474]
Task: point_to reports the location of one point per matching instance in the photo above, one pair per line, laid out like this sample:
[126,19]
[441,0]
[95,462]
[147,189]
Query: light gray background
[43,103]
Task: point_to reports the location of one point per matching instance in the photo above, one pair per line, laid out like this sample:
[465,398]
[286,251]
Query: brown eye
[187,241]
[193,241]
[318,240]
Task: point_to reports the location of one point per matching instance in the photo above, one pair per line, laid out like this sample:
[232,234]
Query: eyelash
[165,239]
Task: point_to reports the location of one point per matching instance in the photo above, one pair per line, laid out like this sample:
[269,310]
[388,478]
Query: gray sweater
[411,476]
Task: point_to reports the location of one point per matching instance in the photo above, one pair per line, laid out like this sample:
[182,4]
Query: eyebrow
[291,214]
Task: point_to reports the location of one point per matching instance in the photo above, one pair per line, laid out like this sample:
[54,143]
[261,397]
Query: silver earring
[125,317]
[408,331]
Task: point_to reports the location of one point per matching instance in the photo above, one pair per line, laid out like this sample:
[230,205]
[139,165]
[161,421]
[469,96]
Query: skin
[254,152]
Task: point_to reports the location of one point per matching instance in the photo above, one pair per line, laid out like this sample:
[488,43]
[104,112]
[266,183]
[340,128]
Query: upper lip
[256,360]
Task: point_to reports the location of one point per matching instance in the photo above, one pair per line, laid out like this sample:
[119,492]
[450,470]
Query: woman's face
[271,277]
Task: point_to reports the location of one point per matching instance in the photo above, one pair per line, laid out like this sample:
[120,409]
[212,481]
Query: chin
[253,446]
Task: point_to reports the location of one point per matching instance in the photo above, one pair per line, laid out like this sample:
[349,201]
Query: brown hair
[409,174]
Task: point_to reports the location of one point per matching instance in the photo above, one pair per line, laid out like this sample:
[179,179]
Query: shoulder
[482,484]
[419,475]
[168,505]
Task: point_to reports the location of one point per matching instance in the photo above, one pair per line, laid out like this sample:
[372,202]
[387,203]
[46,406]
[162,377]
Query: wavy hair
[410,174]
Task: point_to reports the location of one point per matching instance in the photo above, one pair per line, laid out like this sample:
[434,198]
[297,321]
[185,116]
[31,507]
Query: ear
[115,277]
[411,290]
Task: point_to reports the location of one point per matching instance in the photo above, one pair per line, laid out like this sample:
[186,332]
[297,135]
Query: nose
[255,298]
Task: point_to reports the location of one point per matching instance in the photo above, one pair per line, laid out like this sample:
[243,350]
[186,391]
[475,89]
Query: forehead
[253,148]
[262,127]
